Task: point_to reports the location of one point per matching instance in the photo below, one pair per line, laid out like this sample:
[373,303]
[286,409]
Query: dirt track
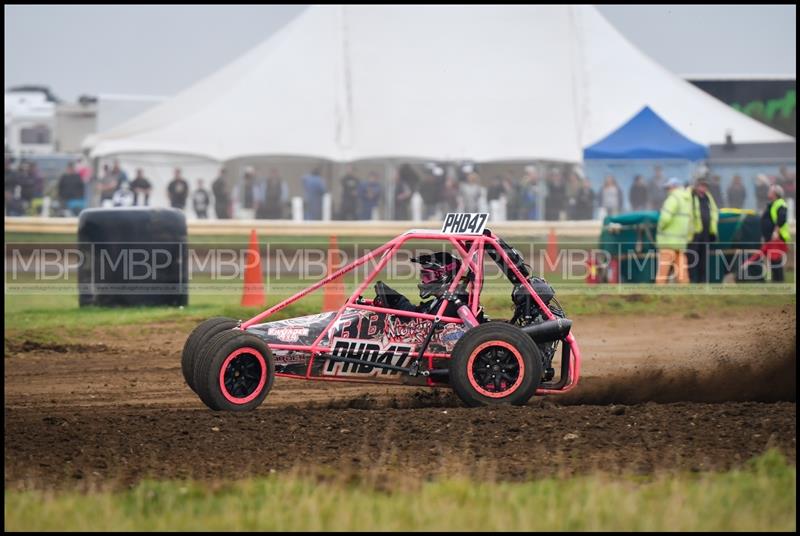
[115,410]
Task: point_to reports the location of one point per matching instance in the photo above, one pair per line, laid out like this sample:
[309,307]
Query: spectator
[573,186]
[762,191]
[31,185]
[351,187]
[201,200]
[178,190]
[14,206]
[405,185]
[430,189]
[10,174]
[369,195]
[705,216]
[222,199]
[410,176]
[638,194]
[124,196]
[463,170]
[672,232]
[84,170]
[71,191]
[736,193]
[499,190]
[611,196]
[37,180]
[715,189]
[787,180]
[471,193]
[108,184]
[584,201]
[141,188]
[450,194]
[556,196]
[275,195]
[513,206]
[775,227]
[246,194]
[655,189]
[500,187]
[529,195]
[315,189]
[119,173]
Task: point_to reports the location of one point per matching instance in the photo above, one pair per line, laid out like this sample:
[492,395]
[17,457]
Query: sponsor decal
[449,335]
[349,324]
[289,357]
[464,222]
[409,330]
[287,333]
[367,350]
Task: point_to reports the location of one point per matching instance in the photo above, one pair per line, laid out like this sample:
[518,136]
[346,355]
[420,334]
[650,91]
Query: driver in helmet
[436,275]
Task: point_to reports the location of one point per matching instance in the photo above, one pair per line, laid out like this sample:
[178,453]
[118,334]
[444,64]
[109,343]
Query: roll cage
[471,248]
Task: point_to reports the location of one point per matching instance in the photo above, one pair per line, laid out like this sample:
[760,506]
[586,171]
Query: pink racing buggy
[447,341]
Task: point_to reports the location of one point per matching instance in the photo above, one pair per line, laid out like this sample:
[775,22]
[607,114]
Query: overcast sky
[160,50]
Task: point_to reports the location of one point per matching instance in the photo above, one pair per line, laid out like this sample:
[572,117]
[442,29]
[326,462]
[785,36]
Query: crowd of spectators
[26,187]
[557,193]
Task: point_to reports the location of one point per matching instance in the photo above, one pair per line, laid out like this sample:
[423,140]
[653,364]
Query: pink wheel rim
[508,390]
[262,380]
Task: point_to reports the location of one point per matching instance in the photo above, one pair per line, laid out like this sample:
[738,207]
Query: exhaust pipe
[549,330]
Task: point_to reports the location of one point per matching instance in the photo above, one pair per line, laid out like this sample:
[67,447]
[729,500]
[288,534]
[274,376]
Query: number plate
[464,222]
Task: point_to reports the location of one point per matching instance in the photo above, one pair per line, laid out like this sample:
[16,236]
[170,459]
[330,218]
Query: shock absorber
[463,311]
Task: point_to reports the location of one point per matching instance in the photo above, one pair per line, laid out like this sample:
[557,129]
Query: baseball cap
[673,182]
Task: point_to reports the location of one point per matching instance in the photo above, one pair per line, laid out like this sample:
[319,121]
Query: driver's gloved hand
[380,294]
[386,296]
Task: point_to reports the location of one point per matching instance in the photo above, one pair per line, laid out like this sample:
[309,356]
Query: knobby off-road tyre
[495,364]
[197,340]
[234,372]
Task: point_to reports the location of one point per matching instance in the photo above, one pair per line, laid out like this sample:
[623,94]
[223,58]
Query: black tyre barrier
[132,257]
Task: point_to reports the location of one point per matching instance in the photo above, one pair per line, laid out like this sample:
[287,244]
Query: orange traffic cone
[552,251]
[334,291]
[253,292]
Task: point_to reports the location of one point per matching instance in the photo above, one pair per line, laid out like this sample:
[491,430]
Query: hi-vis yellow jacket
[675,220]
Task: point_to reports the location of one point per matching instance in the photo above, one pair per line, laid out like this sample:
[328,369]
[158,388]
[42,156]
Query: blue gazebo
[636,147]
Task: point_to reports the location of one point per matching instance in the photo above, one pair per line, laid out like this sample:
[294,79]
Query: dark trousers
[777,271]
[222,211]
[698,258]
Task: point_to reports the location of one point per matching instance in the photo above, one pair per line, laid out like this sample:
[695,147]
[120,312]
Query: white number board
[464,222]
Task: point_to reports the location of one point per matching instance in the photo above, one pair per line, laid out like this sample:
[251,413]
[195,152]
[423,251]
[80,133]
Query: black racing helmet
[437,272]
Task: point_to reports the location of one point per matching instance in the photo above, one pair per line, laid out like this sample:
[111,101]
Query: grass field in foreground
[759,497]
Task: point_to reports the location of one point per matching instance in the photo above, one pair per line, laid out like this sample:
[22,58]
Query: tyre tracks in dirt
[659,393]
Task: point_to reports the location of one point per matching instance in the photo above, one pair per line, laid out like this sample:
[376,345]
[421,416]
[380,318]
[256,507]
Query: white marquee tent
[484,83]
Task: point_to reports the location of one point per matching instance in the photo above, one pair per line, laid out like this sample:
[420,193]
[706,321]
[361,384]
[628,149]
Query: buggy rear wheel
[234,372]
[197,340]
[495,364]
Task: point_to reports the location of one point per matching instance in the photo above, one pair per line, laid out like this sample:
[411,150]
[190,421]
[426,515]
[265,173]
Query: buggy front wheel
[197,341]
[235,372]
